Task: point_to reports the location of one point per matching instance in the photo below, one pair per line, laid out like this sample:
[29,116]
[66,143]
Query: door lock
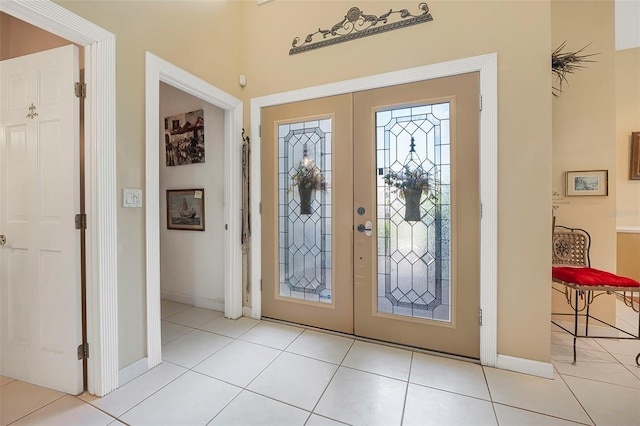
[3,240]
[366,228]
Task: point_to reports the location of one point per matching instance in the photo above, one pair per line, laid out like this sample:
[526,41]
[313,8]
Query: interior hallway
[248,372]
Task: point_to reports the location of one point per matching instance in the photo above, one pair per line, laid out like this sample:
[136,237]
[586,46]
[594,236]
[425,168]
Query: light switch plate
[131,198]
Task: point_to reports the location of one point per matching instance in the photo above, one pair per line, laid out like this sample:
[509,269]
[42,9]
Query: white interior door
[41,324]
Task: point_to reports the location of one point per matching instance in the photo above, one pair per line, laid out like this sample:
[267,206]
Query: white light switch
[131,198]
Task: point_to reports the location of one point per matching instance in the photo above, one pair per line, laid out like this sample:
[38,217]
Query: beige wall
[627,211]
[520,33]
[199,37]
[628,253]
[627,63]
[584,129]
[191,261]
[210,40]
[18,38]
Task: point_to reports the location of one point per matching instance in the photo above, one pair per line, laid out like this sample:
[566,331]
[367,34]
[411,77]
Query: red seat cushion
[591,277]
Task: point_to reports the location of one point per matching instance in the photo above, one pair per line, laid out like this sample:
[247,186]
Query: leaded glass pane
[414,221]
[304,197]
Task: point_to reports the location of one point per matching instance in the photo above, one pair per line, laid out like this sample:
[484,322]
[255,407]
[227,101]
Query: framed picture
[184,138]
[185,209]
[587,182]
[634,170]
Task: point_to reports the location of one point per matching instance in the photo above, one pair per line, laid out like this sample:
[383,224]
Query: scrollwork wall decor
[357,24]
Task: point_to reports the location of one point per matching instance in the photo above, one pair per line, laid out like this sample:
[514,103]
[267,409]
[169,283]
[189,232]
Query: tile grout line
[493,403]
[612,354]
[99,409]
[39,408]
[576,398]
[10,381]
[406,390]
[528,410]
[600,381]
[445,391]
[191,369]
[282,351]
[232,399]
[245,388]
[329,383]
[153,393]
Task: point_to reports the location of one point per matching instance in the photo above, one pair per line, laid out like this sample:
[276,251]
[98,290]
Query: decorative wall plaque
[357,24]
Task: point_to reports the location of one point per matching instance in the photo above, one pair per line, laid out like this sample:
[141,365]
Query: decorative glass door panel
[304,175]
[307,222]
[416,272]
[414,215]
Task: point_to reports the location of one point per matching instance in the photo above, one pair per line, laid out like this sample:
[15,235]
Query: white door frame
[488,67]
[100,192]
[158,70]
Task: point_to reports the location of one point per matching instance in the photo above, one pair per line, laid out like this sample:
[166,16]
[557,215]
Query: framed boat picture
[185,209]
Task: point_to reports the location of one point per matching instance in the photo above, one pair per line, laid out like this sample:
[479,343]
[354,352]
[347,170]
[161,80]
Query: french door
[387,246]
[307,249]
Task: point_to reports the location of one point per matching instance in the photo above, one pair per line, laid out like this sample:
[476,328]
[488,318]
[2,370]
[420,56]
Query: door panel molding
[487,66]
[100,188]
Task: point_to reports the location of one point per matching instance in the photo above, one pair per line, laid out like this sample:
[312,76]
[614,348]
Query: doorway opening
[157,71]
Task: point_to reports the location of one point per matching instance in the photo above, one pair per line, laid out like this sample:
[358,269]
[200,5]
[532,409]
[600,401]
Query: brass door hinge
[83,351]
[81,90]
[81,221]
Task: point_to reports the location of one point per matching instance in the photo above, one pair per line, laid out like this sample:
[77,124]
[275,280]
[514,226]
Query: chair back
[571,247]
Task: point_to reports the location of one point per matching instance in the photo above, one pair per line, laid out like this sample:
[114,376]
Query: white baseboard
[526,366]
[199,302]
[132,371]
[628,229]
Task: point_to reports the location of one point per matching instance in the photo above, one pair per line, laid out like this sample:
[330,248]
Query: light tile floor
[247,372]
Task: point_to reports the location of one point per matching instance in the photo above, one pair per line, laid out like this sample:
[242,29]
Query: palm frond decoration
[564,63]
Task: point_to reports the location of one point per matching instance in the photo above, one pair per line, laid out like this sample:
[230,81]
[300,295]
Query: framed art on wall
[634,167]
[587,182]
[184,138]
[185,209]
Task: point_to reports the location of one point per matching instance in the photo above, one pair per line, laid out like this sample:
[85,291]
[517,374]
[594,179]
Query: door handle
[3,240]
[366,228]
